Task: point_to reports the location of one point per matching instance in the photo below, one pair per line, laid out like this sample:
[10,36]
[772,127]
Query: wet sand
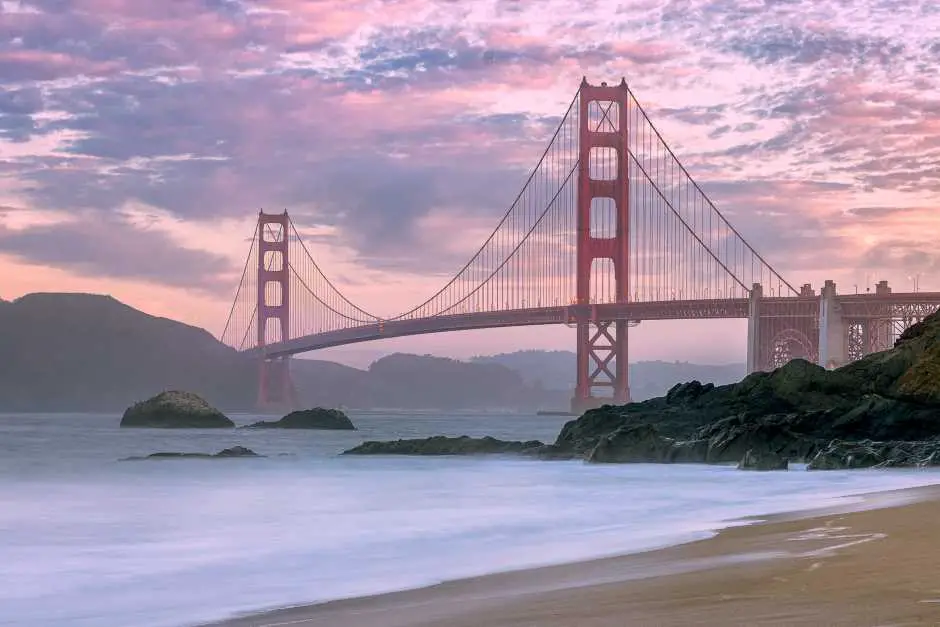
[879,566]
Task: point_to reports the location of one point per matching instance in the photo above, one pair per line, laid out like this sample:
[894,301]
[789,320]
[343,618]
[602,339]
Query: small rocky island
[443,445]
[175,410]
[316,418]
[226,453]
[880,411]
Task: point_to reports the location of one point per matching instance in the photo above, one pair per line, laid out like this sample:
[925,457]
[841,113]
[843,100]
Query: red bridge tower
[275,389]
[602,174]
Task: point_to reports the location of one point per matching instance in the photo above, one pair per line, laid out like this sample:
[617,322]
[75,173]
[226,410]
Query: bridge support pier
[603,175]
[832,329]
[276,391]
[755,340]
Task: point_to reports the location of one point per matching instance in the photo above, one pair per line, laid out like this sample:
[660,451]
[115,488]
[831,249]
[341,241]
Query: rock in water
[316,418]
[763,461]
[175,410]
[235,451]
[442,445]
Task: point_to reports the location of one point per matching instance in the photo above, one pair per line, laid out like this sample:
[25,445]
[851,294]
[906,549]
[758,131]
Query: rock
[910,370]
[892,395]
[442,445]
[879,418]
[685,392]
[643,444]
[731,439]
[316,418]
[175,410]
[763,461]
[890,399]
[840,455]
[726,442]
[235,451]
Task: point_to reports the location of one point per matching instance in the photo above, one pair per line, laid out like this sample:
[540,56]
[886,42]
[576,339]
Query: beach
[876,562]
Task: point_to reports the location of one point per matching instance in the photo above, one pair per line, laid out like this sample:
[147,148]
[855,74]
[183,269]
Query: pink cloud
[43,65]
[279,126]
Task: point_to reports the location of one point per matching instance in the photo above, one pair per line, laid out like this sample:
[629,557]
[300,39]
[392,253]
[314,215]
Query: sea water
[87,540]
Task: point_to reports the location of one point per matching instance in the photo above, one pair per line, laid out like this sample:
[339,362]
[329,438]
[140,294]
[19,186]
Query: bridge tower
[602,174]
[275,389]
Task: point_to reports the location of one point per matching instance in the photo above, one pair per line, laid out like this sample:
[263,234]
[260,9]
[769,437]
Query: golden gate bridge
[608,230]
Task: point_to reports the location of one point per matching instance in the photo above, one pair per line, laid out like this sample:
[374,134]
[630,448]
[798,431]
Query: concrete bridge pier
[276,391]
[754,344]
[882,329]
[833,351]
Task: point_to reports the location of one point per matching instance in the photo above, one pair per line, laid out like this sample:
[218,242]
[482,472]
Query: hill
[410,381]
[555,370]
[86,352]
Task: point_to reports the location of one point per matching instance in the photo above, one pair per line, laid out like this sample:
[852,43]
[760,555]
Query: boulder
[763,461]
[442,445]
[175,410]
[316,418]
[840,455]
[235,451]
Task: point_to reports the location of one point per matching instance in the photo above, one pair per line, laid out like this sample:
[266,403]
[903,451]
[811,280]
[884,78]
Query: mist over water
[86,540]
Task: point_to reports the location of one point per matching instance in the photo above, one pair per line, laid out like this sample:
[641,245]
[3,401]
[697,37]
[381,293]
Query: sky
[139,139]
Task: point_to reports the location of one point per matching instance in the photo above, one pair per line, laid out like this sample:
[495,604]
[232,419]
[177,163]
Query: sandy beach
[876,563]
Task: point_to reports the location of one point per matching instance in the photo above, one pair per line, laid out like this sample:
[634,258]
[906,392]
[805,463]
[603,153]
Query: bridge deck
[860,305]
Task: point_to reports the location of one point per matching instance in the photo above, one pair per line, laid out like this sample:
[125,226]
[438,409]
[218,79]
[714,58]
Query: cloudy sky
[138,139]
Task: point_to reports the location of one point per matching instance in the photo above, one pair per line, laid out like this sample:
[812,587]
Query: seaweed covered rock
[175,410]
[235,451]
[728,441]
[840,455]
[316,418]
[777,435]
[644,444]
[442,445]
[635,444]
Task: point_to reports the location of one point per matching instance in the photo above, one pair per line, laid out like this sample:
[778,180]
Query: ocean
[87,540]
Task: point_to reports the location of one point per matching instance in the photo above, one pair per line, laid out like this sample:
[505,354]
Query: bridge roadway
[853,305]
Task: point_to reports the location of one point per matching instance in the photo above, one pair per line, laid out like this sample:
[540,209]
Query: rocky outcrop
[776,436]
[442,445]
[730,441]
[175,410]
[765,421]
[316,418]
[235,451]
[839,455]
[887,396]
[763,462]
[643,444]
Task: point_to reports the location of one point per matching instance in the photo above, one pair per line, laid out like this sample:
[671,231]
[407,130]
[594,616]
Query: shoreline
[744,548]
